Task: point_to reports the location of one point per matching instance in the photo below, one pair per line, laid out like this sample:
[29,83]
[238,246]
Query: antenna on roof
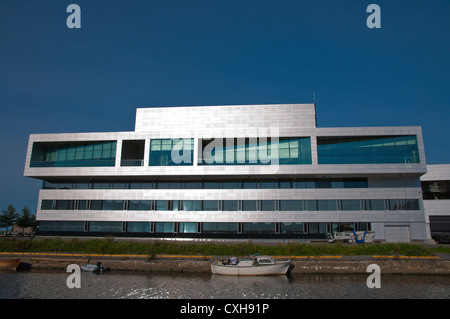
[315,114]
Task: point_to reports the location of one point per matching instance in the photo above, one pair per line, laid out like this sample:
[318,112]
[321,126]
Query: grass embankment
[109,246]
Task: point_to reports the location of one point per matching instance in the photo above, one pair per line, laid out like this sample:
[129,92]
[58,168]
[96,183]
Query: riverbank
[165,256]
[425,265]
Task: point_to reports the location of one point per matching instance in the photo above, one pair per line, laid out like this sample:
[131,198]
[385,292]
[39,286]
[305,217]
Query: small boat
[95,268]
[9,264]
[252,266]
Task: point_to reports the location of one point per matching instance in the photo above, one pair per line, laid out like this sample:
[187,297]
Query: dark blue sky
[131,54]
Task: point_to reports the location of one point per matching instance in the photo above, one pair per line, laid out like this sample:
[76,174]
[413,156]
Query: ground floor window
[61,226]
[138,227]
[293,228]
[259,228]
[208,228]
[105,226]
[220,228]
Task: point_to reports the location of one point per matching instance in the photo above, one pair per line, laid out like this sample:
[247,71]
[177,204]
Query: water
[127,285]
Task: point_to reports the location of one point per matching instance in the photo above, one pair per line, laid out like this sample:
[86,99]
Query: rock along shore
[431,265]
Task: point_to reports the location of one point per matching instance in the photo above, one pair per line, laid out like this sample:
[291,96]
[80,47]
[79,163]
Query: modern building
[436,195]
[239,171]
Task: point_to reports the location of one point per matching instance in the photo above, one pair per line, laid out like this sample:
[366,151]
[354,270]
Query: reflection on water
[46,284]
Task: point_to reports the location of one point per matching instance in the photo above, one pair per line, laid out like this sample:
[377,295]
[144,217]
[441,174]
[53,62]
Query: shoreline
[349,264]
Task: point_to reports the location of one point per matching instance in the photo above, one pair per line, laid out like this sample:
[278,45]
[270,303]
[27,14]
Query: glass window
[259,228]
[73,154]
[82,204]
[291,228]
[61,225]
[47,204]
[162,205]
[193,185]
[311,205]
[187,227]
[230,205]
[112,205]
[294,150]
[268,184]
[219,228]
[49,185]
[374,204]
[297,205]
[323,183]
[140,205]
[101,185]
[65,204]
[210,205]
[138,227]
[175,205]
[249,205]
[82,185]
[96,204]
[135,185]
[250,185]
[317,228]
[268,205]
[364,226]
[104,226]
[211,185]
[286,205]
[305,183]
[327,204]
[171,152]
[257,151]
[436,189]
[148,185]
[167,227]
[351,204]
[231,185]
[410,204]
[291,205]
[393,204]
[337,183]
[192,205]
[66,186]
[285,183]
[367,150]
[341,227]
[355,183]
[163,185]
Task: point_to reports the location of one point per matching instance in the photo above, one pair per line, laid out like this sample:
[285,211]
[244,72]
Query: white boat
[252,266]
[94,268]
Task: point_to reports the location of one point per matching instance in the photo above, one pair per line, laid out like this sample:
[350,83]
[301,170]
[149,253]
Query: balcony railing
[75,163]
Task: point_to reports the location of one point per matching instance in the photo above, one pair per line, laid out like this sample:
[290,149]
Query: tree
[26,219]
[8,217]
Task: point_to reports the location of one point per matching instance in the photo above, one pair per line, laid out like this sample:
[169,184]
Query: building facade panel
[436,194]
